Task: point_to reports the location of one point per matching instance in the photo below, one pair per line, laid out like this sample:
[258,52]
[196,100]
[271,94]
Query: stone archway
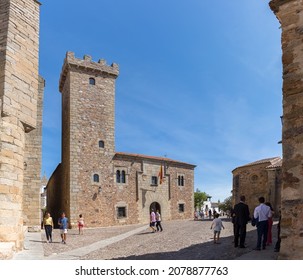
[155,206]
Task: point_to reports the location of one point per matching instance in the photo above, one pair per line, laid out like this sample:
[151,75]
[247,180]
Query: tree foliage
[226,205]
[199,197]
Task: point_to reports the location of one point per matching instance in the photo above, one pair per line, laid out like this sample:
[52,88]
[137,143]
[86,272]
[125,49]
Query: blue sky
[200,81]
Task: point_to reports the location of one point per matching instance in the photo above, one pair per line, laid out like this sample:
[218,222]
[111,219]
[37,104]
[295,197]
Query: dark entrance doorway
[156,206]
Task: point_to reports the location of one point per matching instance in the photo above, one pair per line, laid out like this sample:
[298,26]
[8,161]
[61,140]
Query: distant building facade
[109,187]
[259,178]
[212,206]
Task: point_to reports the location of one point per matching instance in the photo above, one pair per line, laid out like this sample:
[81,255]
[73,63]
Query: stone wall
[4,15]
[20,55]
[181,195]
[290,16]
[256,179]
[19,43]
[140,194]
[32,168]
[12,139]
[149,193]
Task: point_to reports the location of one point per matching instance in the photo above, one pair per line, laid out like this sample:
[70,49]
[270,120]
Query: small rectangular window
[96,178]
[121,212]
[154,180]
[92,81]
[181,207]
[101,144]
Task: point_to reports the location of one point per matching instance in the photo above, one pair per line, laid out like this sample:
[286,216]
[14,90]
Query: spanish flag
[160,175]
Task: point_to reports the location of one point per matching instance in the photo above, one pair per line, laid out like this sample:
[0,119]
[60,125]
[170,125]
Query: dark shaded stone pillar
[290,16]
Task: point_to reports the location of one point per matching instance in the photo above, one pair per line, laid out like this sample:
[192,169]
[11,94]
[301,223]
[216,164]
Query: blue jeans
[262,228]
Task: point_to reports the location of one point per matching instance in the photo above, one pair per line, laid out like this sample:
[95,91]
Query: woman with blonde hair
[48,226]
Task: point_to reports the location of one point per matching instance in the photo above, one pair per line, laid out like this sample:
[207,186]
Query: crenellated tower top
[87,64]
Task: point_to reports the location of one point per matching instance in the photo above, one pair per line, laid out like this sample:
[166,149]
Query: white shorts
[62,231]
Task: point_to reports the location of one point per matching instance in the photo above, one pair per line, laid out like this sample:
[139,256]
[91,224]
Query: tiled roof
[161,159]
[276,163]
[273,162]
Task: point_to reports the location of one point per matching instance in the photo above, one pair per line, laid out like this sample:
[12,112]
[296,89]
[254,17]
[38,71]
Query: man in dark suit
[241,218]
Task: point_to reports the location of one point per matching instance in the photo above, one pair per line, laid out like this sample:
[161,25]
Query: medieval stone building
[107,187]
[259,178]
[113,187]
[21,97]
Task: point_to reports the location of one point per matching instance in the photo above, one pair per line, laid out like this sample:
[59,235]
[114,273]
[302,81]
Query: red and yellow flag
[160,175]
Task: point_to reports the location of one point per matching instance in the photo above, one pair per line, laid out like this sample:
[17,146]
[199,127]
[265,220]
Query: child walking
[80,224]
[217,225]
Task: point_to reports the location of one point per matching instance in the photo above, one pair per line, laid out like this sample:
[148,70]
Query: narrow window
[180,180]
[92,81]
[121,212]
[118,176]
[154,180]
[101,144]
[96,178]
[181,207]
[123,177]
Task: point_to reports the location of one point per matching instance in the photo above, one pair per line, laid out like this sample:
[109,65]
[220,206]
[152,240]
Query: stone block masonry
[32,166]
[290,16]
[19,58]
[19,51]
[259,178]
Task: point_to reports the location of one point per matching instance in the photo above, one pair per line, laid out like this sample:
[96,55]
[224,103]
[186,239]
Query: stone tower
[88,132]
[19,87]
[290,16]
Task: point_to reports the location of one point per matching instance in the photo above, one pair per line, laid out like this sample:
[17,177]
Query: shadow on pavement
[210,251]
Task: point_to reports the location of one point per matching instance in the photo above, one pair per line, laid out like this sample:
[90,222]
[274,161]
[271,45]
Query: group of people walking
[262,218]
[48,225]
[155,221]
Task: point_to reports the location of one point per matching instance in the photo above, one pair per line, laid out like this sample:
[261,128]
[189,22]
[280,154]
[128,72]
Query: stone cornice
[38,2]
[275,4]
[140,157]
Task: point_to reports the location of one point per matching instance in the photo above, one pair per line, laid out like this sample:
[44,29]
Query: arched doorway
[155,206]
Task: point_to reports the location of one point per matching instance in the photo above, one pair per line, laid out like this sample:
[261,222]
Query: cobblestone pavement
[180,240]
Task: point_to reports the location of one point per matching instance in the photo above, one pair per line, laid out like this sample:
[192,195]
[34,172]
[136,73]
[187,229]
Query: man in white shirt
[262,213]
